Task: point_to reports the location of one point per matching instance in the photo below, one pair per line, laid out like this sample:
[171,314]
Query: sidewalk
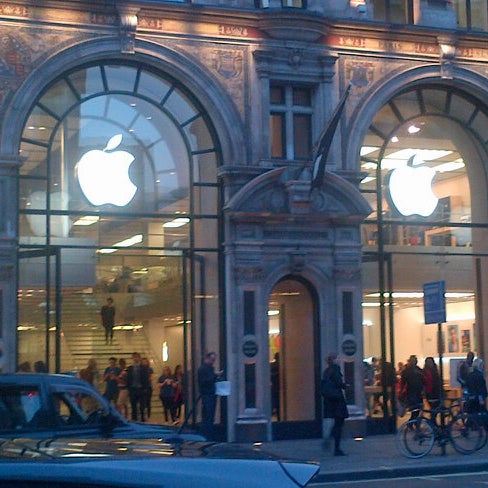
[374,457]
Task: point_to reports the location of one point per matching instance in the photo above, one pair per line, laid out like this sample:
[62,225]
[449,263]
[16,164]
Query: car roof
[33,378]
[179,465]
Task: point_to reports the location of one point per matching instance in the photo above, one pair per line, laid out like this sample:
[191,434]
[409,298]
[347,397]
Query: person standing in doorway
[107,314]
[206,385]
[138,383]
[334,402]
[275,386]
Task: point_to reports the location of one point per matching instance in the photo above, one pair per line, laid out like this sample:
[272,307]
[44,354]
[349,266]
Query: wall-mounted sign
[349,347]
[410,189]
[250,348]
[104,175]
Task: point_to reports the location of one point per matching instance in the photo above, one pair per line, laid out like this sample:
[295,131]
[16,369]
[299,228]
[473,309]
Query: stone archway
[278,227]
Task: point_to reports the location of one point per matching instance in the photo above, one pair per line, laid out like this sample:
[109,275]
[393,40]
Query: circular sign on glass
[349,347]
[250,348]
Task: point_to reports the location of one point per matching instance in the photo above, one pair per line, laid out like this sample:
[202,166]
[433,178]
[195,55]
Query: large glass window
[421,158]
[118,197]
[472,14]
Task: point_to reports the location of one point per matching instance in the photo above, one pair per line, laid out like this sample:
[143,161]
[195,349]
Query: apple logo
[104,175]
[410,189]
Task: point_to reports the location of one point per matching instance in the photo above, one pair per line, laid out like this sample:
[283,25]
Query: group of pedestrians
[130,388]
[413,386]
[416,384]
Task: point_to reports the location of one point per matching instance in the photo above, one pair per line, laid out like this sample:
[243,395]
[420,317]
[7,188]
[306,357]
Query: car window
[20,408]
[78,408]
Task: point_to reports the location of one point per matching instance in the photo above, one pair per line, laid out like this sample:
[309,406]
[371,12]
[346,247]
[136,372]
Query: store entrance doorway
[293,355]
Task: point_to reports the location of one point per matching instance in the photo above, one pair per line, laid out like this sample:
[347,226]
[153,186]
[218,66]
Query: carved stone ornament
[297,262]
[128,28]
[346,275]
[249,274]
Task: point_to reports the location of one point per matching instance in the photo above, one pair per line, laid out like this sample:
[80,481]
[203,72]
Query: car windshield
[77,407]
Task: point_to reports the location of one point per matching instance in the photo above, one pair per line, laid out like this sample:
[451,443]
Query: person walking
[167,394]
[334,402]
[206,386]
[138,383]
[107,314]
[412,379]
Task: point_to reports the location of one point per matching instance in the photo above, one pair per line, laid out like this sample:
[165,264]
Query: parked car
[123,463]
[52,405]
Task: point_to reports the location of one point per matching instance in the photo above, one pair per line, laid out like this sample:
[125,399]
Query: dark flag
[322,147]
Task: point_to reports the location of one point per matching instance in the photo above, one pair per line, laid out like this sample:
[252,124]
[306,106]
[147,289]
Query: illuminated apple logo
[104,175]
[410,189]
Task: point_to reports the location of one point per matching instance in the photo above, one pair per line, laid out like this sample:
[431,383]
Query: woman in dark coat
[432,383]
[334,402]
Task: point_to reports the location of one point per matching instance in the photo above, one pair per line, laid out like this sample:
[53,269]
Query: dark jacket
[206,379]
[144,377]
[335,404]
[477,392]
[413,380]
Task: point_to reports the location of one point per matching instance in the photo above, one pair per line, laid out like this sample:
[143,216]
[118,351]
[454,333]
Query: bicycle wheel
[415,438]
[466,433]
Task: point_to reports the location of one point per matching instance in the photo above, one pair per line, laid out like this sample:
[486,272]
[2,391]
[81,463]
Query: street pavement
[374,457]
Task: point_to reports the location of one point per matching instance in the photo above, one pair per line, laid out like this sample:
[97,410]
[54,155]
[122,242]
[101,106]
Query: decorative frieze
[249,274]
[10,10]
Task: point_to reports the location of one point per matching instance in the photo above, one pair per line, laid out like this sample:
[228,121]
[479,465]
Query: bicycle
[416,437]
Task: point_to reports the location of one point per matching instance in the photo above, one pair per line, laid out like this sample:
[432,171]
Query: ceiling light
[394,139]
[87,220]
[367,180]
[421,155]
[369,166]
[413,129]
[125,243]
[452,166]
[365,150]
[180,221]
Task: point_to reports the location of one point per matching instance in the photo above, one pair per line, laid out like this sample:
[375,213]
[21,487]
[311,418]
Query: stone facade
[227,53]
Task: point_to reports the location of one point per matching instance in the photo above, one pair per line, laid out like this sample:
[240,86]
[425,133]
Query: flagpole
[322,147]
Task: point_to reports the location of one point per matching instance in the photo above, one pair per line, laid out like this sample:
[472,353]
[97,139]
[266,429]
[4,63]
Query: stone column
[9,169]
